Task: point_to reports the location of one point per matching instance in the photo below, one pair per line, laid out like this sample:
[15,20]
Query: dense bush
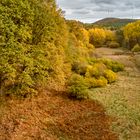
[79,68]
[101,82]
[78,87]
[94,83]
[113,65]
[91,81]
[110,76]
[110,64]
[113,45]
[136,48]
[95,70]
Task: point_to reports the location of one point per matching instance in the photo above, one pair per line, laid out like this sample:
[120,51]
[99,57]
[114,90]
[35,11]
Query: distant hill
[114,20]
[113,23]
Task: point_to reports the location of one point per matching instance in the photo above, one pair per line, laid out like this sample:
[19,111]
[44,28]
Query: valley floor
[122,99]
[53,116]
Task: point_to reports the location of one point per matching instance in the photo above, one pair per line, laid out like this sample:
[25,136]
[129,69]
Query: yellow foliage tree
[100,37]
[97,36]
[132,33]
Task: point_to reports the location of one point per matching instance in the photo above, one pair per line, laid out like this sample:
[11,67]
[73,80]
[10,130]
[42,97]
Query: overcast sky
[92,10]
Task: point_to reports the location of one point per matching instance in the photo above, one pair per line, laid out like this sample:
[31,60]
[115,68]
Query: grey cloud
[136,5]
[81,12]
[91,10]
[104,1]
[103,9]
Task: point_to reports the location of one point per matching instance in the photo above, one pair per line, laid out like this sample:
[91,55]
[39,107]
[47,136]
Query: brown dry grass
[53,116]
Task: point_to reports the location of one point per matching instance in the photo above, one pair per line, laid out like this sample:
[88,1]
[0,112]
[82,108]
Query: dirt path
[122,99]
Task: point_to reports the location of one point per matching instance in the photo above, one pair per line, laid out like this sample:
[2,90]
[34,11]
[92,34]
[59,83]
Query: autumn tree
[97,36]
[79,47]
[132,33]
[32,40]
[101,37]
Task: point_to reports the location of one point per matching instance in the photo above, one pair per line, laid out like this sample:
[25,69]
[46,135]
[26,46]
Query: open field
[122,99]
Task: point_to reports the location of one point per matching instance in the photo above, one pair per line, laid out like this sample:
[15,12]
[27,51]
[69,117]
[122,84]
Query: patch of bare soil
[53,116]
